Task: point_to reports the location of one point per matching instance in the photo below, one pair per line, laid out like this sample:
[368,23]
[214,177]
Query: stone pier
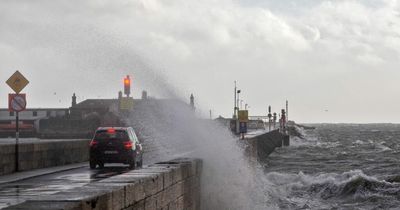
[166,185]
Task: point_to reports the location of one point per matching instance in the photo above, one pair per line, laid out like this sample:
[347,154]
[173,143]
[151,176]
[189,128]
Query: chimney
[144,95]
[73,100]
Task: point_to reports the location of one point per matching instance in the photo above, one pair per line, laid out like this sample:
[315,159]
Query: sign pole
[16,141]
[17,103]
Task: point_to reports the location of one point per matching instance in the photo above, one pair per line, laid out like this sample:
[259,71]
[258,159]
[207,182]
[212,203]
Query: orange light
[127,85]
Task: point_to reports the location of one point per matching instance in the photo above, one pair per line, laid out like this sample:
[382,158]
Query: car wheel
[140,163]
[132,164]
[92,164]
[101,165]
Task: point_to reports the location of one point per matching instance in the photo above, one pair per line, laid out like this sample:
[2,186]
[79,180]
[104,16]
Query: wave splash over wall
[172,129]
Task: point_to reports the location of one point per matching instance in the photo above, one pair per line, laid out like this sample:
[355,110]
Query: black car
[115,145]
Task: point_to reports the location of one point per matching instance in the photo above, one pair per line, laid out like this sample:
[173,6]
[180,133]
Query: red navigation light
[127,85]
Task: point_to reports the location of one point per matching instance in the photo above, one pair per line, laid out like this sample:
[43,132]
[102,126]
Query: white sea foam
[284,186]
[359,142]
[382,147]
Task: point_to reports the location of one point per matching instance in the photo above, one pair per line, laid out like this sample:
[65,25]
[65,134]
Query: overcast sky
[335,61]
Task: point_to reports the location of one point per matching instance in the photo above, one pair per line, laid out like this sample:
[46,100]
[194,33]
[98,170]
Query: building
[28,120]
[90,106]
[81,119]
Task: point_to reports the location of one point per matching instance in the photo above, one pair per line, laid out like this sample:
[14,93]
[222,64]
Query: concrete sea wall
[261,146]
[66,128]
[173,185]
[42,154]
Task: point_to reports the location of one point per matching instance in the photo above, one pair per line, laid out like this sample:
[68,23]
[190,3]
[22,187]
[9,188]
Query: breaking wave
[337,167]
[322,190]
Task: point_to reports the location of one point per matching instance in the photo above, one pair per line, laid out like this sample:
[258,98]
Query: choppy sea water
[337,166]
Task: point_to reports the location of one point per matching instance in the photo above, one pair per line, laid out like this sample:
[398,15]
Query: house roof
[96,103]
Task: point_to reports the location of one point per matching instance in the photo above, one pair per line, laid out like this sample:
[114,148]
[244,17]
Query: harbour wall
[261,146]
[42,154]
[173,184]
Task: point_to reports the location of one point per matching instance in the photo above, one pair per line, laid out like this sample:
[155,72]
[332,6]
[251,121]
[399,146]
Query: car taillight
[93,143]
[128,144]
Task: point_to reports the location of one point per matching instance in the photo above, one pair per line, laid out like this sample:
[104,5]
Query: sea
[336,166]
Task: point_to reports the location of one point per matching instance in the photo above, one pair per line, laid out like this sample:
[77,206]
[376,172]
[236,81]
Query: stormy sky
[335,61]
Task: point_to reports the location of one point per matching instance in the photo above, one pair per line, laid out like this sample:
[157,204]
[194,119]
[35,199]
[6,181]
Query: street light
[237,108]
[234,102]
[238,93]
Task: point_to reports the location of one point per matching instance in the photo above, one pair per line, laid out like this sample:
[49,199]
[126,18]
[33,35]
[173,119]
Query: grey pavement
[38,172]
[51,182]
[17,187]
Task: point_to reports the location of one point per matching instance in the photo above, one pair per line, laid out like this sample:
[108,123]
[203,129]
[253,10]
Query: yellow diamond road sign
[17,82]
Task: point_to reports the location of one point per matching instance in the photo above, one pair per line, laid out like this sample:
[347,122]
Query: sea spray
[228,179]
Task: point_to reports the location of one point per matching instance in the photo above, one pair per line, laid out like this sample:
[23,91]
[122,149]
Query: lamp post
[234,102]
[287,111]
[237,120]
[238,98]
[269,118]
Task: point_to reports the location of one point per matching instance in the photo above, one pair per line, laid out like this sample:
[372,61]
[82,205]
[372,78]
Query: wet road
[12,193]
[17,192]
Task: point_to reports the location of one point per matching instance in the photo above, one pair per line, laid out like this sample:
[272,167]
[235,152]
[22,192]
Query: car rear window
[113,134]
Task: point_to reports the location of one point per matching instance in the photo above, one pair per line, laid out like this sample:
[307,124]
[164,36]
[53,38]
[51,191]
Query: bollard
[286,140]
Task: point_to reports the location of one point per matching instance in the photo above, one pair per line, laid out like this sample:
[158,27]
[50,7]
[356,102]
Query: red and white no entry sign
[16,102]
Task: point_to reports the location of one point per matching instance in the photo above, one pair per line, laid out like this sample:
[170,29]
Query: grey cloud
[315,53]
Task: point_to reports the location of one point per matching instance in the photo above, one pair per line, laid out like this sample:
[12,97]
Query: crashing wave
[353,185]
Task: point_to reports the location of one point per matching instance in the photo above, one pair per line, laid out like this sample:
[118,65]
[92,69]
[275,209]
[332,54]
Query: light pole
[237,121]
[287,111]
[234,102]
[269,118]
[238,99]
